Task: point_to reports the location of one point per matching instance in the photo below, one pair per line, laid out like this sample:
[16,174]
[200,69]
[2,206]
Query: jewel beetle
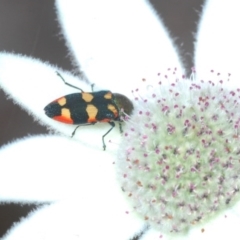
[89,108]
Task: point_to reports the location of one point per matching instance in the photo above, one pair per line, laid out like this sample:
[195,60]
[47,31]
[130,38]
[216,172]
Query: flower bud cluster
[179,162]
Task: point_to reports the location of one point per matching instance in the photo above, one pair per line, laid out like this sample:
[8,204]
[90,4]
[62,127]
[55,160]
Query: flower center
[179,163]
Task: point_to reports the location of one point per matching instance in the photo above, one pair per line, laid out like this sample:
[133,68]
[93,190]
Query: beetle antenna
[70,85]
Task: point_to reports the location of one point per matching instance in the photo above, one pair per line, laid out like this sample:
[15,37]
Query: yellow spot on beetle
[108,95]
[87,97]
[113,109]
[92,113]
[66,113]
[62,101]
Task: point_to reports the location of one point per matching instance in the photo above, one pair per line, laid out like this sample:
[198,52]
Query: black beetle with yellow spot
[88,108]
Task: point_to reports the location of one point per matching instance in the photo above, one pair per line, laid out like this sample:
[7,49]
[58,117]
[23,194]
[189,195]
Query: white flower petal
[152,234]
[49,168]
[33,84]
[89,217]
[218,38]
[117,43]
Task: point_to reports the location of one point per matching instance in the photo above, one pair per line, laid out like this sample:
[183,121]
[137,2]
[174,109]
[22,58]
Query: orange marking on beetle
[87,97]
[63,119]
[62,101]
[92,120]
[108,95]
[113,109]
[92,112]
[65,116]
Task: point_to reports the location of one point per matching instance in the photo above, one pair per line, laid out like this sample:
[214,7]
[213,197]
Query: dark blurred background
[30,27]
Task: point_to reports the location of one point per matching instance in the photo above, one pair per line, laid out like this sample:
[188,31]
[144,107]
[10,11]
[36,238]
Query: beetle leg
[73,133]
[70,85]
[113,125]
[92,86]
[120,127]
